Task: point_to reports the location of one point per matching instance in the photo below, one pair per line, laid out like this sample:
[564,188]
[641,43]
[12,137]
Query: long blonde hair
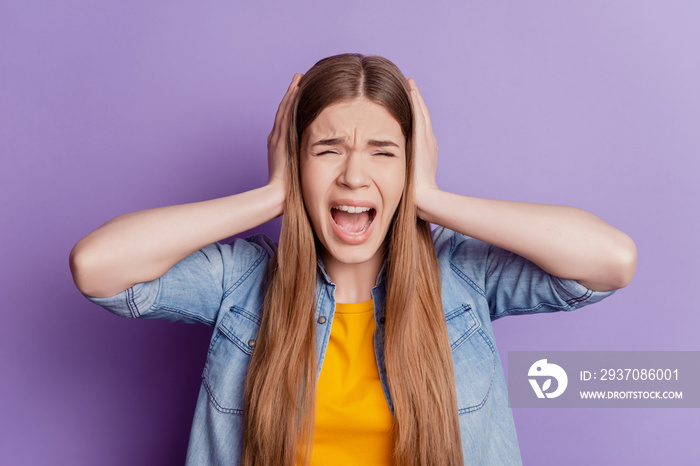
[280,391]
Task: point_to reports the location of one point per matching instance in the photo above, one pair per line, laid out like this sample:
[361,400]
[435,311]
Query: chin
[354,254]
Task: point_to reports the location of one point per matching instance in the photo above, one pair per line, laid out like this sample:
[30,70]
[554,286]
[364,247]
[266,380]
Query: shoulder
[241,257]
[459,249]
[464,262]
[251,246]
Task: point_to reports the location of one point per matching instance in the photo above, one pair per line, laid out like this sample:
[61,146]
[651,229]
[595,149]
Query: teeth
[352,209]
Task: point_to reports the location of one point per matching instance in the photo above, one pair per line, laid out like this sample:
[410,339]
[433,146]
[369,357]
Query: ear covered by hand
[425,147]
[277,140]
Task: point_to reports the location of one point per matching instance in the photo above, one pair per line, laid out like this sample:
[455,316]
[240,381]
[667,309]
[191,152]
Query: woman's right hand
[142,246]
[277,153]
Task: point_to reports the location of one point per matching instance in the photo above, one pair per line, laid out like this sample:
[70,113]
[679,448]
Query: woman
[409,372]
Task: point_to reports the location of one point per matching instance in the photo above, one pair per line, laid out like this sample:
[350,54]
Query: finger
[419,114]
[284,124]
[290,90]
[288,101]
[283,104]
[423,108]
[295,80]
[282,109]
[412,83]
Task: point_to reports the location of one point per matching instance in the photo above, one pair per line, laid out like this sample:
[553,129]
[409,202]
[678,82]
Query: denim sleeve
[193,289]
[510,283]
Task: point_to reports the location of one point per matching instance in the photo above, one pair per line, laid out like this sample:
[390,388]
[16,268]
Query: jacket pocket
[228,359]
[474,358]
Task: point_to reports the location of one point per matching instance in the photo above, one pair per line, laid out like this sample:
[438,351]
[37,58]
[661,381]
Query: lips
[352,220]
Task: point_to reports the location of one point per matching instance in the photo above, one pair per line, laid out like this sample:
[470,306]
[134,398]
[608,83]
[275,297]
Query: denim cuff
[132,302]
[577,295]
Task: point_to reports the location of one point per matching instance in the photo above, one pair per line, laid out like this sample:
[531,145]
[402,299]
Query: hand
[277,154]
[425,147]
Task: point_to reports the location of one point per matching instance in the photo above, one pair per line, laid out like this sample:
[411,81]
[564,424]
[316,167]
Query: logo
[544,369]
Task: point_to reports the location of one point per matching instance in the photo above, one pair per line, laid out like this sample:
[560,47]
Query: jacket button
[382,320]
[321,320]
[251,343]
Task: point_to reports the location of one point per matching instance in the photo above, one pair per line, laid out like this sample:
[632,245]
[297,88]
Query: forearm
[564,241]
[142,246]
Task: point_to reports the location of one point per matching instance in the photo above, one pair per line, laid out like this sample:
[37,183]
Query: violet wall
[112,106]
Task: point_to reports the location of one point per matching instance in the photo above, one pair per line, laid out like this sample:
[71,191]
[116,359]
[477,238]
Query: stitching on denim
[245,275]
[216,404]
[559,285]
[131,303]
[473,408]
[469,281]
[463,309]
[205,383]
[528,310]
[487,340]
[574,301]
[231,335]
[321,297]
[211,348]
[460,310]
[244,312]
[571,303]
[182,312]
[242,345]
[322,350]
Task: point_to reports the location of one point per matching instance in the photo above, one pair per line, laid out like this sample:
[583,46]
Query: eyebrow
[337,141]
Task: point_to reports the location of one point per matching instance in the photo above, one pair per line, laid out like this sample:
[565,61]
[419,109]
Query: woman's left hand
[564,241]
[425,147]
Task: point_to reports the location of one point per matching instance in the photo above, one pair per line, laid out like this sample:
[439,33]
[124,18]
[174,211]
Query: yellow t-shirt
[353,420]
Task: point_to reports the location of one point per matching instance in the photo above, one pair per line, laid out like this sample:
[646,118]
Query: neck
[353,282]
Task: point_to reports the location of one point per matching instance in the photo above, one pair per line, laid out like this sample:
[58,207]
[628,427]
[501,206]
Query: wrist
[276,190]
[426,198]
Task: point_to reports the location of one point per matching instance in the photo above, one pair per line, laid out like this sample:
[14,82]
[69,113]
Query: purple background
[113,106]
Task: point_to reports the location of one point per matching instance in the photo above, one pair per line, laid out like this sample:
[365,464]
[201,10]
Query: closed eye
[327,152]
[387,154]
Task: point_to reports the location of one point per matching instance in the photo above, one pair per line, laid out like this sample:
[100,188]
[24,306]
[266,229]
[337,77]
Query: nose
[354,172]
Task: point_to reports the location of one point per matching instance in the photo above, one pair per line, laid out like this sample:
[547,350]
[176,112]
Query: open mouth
[353,220]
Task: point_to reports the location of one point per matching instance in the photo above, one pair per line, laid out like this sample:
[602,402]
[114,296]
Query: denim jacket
[221,286]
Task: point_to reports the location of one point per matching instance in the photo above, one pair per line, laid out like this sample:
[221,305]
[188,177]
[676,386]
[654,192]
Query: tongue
[352,223]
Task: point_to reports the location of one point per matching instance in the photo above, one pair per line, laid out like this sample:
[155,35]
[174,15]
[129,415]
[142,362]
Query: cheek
[395,184]
[311,187]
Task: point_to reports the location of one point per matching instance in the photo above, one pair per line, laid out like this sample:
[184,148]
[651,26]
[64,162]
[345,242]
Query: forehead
[348,118]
